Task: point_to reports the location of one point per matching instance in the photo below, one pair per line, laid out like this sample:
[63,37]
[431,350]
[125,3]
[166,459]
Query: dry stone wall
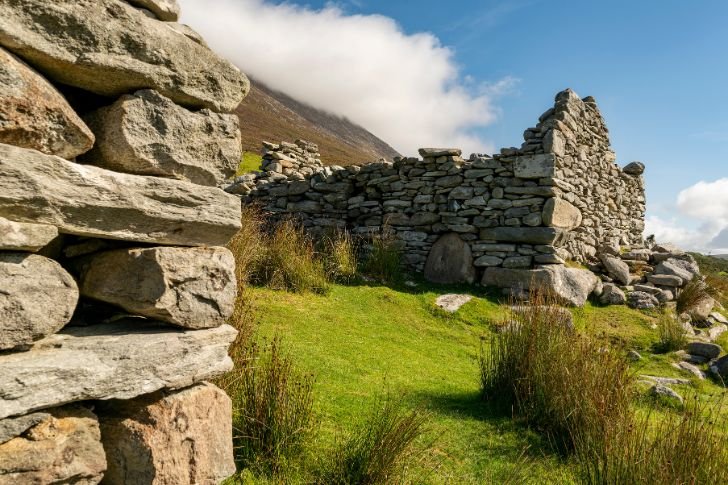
[556,198]
[114,283]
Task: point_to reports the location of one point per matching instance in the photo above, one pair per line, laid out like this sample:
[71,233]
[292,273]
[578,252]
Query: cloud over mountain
[405,88]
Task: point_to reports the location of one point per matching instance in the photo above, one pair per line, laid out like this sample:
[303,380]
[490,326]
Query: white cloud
[405,88]
[705,203]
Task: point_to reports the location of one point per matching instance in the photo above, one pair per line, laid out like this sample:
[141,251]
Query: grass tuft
[672,335]
[692,295]
[384,260]
[378,450]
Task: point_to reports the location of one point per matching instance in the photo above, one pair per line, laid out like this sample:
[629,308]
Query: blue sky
[657,69]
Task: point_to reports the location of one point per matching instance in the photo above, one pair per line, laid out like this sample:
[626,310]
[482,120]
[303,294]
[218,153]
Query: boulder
[665,280]
[642,301]
[704,349]
[25,236]
[528,235]
[37,298]
[663,391]
[91,201]
[110,48]
[719,368]
[188,287]
[33,114]
[701,310]
[690,368]
[182,437]
[612,295]
[450,261]
[616,268]
[147,134]
[119,360]
[64,447]
[167,10]
[634,168]
[686,268]
[571,285]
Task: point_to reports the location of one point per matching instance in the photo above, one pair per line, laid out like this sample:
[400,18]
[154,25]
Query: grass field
[250,163]
[366,342]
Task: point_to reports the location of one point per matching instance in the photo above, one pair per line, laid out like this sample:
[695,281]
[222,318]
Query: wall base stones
[141,235]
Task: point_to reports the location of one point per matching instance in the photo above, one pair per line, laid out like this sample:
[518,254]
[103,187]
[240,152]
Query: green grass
[250,163]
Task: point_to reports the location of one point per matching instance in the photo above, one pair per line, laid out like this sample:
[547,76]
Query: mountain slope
[269,115]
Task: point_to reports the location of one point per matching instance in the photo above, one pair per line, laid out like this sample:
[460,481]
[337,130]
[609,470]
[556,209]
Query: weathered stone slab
[118,360]
[25,236]
[91,201]
[182,438]
[561,213]
[571,285]
[167,10]
[529,235]
[452,302]
[111,48]
[13,427]
[535,166]
[676,266]
[65,447]
[148,134]
[450,261]
[440,152]
[33,114]
[37,298]
[189,287]
[617,268]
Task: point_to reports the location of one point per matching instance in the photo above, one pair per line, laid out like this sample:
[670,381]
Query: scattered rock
[452,302]
[612,295]
[682,268]
[189,287]
[717,331]
[450,261]
[666,392]
[119,360]
[719,368]
[65,447]
[25,236]
[642,301]
[690,368]
[702,309]
[113,49]
[704,349]
[634,168]
[616,268]
[33,114]
[148,134]
[634,356]
[91,201]
[182,437]
[37,298]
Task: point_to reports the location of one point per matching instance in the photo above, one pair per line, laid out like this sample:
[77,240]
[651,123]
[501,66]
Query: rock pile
[114,287]
[497,218]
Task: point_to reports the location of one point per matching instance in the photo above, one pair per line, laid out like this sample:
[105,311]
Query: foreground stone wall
[114,286]
[556,198]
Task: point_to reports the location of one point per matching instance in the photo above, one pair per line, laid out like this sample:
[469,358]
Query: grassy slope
[250,163]
[364,341]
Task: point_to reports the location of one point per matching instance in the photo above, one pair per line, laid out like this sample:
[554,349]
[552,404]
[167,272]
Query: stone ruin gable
[114,283]
[556,198]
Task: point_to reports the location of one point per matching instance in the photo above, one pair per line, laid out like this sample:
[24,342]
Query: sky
[476,74]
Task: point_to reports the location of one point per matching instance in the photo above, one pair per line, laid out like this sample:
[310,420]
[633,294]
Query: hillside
[266,114]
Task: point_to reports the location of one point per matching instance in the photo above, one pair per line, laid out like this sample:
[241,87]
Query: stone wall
[556,198]
[114,285]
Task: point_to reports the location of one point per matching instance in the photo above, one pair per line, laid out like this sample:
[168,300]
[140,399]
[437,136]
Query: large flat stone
[37,298]
[25,236]
[33,114]
[571,285]
[64,447]
[13,427]
[529,235]
[91,201]
[189,287]
[148,134]
[616,268]
[120,360]
[181,438]
[111,48]
[535,166]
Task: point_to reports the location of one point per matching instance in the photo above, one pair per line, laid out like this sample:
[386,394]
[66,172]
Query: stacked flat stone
[557,198]
[114,283]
